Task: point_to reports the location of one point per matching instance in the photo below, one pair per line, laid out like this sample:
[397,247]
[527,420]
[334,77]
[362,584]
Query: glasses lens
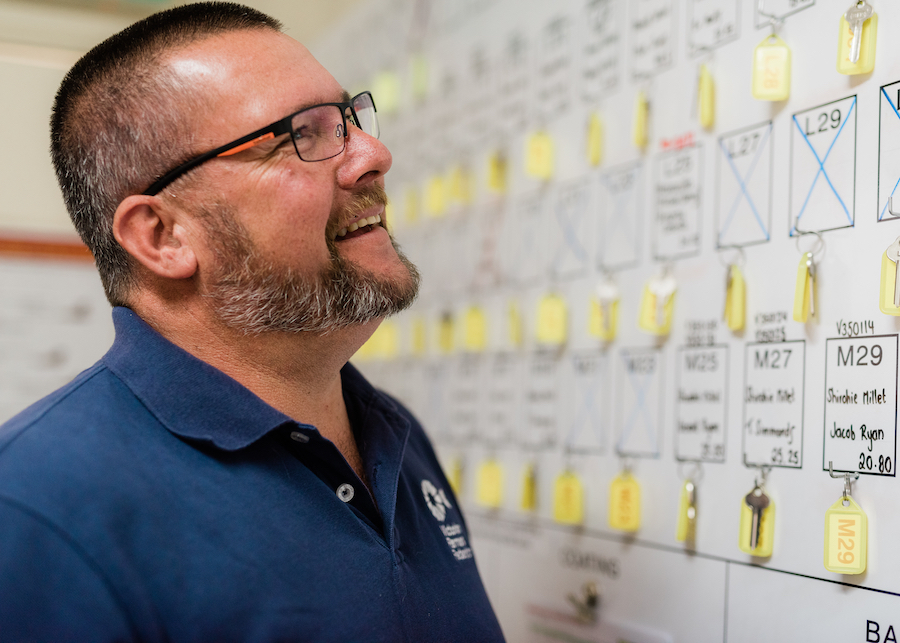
[365,112]
[318,133]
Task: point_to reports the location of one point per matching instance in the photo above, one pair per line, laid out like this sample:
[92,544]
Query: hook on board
[846,476]
[774,21]
[893,213]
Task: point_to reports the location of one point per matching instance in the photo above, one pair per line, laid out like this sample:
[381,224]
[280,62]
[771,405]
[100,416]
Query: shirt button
[298,436]
[345,492]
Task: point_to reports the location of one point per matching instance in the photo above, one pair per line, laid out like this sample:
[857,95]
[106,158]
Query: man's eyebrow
[344,98]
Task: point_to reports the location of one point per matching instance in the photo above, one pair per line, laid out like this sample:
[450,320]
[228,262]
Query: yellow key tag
[846,537]
[539,156]
[368,350]
[459,186]
[568,499]
[455,476]
[386,90]
[604,319]
[766,530]
[706,98]
[865,62]
[418,72]
[389,343]
[639,124]
[419,337]
[435,197]
[528,501]
[735,299]
[772,69]
[657,306]
[475,330]
[496,173]
[889,269]
[625,503]
[552,320]
[687,513]
[489,489]
[445,334]
[594,140]
[514,325]
[805,289]
[411,206]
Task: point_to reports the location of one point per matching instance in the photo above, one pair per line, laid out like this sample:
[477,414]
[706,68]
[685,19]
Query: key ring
[818,246]
[846,476]
[740,260]
[774,21]
[696,473]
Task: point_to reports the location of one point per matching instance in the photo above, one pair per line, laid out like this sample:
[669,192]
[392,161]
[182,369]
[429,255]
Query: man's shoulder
[71,435]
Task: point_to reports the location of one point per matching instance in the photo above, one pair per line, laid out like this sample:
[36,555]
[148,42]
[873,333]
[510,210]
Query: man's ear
[155,235]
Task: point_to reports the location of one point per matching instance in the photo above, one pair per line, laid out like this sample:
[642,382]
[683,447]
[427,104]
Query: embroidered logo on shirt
[436,500]
[438,505]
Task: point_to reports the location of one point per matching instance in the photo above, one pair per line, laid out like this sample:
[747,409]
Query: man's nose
[365,159]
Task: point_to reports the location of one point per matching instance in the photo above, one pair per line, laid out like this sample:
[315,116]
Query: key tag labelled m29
[846,531]
[889,293]
[772,69]
[846,537]
[625,503]
[856,39]
[568,499]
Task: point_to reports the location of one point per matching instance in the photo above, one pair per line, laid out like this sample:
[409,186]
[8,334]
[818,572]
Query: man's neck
[296,373]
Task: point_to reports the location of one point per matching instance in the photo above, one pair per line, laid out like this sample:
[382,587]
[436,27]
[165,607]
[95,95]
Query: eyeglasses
[318,133]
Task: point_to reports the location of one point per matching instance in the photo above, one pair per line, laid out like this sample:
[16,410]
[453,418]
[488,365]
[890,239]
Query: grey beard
[253,295]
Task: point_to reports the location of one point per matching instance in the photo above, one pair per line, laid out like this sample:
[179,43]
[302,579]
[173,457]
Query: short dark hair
[118,123]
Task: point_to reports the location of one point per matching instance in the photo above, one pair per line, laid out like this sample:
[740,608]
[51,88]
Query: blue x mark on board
[568,218]
[640,387]
[821,171]
[888,200]
[742,182]
[588,413]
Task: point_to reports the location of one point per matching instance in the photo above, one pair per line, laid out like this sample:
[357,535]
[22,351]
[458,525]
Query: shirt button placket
[345,492]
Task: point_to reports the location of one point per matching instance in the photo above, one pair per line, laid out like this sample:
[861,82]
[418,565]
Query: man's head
[190,80]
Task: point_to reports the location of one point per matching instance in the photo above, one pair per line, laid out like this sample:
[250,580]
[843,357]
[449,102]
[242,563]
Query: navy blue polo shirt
[156,499]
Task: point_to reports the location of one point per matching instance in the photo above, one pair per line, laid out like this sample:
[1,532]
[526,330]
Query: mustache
[361,201]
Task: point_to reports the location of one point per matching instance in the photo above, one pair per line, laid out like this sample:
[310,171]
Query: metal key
[856,15]
[662,289]
[757,500]
[607,295]
[893,253]
[811,269]
[691,491]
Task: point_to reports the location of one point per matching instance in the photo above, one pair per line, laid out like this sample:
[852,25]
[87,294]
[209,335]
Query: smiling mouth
[357,228]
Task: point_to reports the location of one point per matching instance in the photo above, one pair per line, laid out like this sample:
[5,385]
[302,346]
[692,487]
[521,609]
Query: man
[222,474]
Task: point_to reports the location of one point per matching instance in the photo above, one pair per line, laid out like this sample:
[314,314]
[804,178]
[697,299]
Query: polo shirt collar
[193,399]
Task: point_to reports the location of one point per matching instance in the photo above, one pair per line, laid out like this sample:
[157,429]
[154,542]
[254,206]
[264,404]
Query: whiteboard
[696,200]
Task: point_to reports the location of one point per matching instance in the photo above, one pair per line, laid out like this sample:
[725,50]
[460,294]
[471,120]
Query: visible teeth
[377,218]
[342,232]
[371,220]
[352,227]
